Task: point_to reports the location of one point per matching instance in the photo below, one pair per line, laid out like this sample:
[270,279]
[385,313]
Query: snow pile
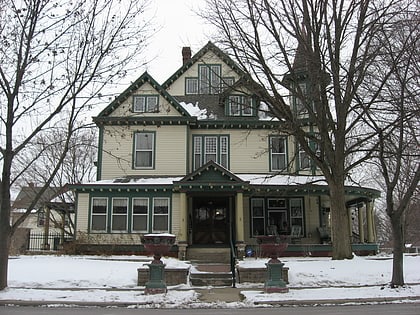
[194,110]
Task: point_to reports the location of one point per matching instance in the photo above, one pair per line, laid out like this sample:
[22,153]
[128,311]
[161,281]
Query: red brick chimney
[186,55]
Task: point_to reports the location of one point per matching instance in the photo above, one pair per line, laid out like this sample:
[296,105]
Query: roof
[208,47]
[29,193]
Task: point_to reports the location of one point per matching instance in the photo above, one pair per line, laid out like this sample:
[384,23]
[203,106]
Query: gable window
[145,103]
[160,215]
[191,86]
[240,105]
[98,222]
[140,214]
[144,144]
[209,78]
[119,214]
[210,148]
[278,153]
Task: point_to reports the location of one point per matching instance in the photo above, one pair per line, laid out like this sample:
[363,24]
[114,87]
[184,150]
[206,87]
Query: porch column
[239,222]
[369,221]
[182,235]
[361,227]
[239,217]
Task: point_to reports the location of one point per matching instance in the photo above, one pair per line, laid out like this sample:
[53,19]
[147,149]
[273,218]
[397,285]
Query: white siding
[82,212]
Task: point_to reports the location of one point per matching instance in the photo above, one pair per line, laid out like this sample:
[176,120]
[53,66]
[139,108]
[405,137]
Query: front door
[210,220]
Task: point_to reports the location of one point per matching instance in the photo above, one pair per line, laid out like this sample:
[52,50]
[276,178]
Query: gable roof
[144,78]
[29,193]
[208,47]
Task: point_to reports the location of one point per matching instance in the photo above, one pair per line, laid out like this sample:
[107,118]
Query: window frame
[209,82]
[114,214]
[192,80]
[154,215]
[146,99]
[134,215]
[243,103]
[92,214]
[222,147]
[273,154]
[152,150]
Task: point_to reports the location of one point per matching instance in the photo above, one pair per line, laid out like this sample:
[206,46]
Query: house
[200,157]
[49,224]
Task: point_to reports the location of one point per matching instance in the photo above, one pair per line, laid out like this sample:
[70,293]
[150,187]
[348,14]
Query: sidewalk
[225,297]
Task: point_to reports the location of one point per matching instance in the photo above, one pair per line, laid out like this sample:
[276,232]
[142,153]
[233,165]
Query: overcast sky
[180,27]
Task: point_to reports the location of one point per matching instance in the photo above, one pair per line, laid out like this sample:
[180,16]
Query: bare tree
[281,43]
[396,119]
[55,58]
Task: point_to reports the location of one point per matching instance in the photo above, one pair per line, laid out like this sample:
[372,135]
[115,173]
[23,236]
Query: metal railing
[53,242]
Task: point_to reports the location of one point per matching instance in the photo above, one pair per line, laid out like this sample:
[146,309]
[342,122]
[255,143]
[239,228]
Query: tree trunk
[341,244]
[4,254]
[398,261]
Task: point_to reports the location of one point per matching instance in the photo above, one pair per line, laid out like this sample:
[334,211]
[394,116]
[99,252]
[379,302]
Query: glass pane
[140,206]
[99,205]
[99,222]
[278,162]
[160,206]
[119,222]
[119,205]
[144,141]
[258,227]
[204,79]
[144,159]
[278,145]
[160,223]
[139,223]
[139,103]
[152,102]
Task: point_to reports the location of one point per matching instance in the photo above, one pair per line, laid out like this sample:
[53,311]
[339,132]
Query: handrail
[232,252]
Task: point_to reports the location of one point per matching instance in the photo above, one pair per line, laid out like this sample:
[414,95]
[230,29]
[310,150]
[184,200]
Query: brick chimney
[186,55]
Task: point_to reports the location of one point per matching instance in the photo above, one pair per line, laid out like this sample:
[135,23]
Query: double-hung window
[119,214]
[144,145]
[98,220]
[257,216]
[210,148]
[160,215]
[145,103]
[209,78]
[240,105]
[304,159]
[140,213]
[278,153]
[191,86]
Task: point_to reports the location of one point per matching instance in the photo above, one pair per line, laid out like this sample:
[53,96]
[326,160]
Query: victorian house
[199,156]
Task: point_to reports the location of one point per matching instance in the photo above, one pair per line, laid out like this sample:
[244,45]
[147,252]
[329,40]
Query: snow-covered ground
[113,279]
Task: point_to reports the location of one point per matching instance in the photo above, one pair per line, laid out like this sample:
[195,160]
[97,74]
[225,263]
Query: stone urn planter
[159,245]
[273,246]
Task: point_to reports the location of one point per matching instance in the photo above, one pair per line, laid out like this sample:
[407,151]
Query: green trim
[100,153]
[144,121]
[203,146]
[145,77]
[242,105]
[134,167]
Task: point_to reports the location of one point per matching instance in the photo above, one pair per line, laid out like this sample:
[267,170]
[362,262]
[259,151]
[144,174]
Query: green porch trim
[144,121]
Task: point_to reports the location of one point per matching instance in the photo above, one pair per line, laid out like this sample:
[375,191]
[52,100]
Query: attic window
[240,105]
[145,103]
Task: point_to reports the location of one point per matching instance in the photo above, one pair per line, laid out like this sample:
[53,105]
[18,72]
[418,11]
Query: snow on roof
[259,179]
[194,110]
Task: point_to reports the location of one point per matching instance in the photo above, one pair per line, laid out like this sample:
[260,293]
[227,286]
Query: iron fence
[53,242]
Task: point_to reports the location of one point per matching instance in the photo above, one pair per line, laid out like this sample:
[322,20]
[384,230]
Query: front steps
[211,275]
[211,266]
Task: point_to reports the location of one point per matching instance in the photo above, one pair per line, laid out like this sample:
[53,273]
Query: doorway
[210,220]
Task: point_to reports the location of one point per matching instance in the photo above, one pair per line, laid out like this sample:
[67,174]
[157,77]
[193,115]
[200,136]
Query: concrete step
[211,275]
[208,255]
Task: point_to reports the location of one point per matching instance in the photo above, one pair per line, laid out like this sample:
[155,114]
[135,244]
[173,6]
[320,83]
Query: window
[300,105]
[240,105]
[160,214]
[144,143]
[140,214]
[278,153]
[257,216]
[305,162]
[227,82]
[145,103]
[296,217]
[119,214]
[209,78]
[210,148]
[99,214]
[191,86]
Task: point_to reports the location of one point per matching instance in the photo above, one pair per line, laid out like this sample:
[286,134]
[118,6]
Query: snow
[113,279]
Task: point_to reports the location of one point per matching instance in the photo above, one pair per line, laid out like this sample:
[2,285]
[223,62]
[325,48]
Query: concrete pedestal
[156,283]
[275,282]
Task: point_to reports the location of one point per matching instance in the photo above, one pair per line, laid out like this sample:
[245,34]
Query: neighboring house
[50,222]
[199,157]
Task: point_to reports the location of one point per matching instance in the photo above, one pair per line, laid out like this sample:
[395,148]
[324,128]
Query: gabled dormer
[143,101]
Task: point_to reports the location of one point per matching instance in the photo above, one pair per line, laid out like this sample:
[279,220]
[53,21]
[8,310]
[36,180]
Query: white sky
[180,27]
